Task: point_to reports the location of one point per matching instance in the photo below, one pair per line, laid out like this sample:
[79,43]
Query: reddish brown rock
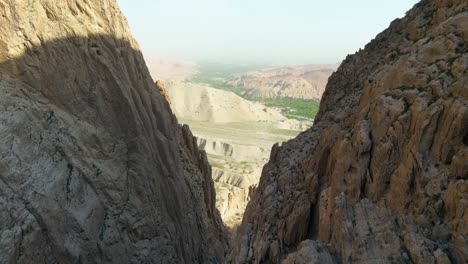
[300,82]
[381,174]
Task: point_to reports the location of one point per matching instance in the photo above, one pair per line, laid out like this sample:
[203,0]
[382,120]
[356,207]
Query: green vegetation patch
[214,70]
[216,74]
[293,108]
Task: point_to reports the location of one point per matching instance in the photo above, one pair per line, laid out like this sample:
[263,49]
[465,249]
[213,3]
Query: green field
[214,70]
[215,74]
[293,108]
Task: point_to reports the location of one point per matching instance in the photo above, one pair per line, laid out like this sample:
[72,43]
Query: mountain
[166,69]
[203,103]
[299,82]
[94,167]
[382,176]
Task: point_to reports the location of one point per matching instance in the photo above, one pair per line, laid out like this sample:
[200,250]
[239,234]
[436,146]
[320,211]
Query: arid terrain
[98,164]
[165,69]
[237,135]
[205,103]
[299,82]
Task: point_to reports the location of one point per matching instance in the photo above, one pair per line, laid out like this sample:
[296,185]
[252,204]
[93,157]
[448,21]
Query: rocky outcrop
[239,152]
[163,91]
[312,252]
[232,201]
[382,175]
[233,178]
[94,167]
[299,82]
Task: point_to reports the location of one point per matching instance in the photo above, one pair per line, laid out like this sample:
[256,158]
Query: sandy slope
[203,103]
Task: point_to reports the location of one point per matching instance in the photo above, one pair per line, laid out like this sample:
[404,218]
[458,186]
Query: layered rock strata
[298,82]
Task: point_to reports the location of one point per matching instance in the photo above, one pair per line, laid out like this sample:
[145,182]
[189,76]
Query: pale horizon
[269,32]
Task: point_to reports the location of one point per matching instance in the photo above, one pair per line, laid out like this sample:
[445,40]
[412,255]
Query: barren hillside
[300,82]
[203,103]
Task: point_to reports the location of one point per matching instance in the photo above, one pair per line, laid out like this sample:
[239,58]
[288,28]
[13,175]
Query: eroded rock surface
[382,176]
[94,167]
[299,82]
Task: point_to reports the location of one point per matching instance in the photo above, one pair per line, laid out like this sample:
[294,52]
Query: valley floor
[237,152]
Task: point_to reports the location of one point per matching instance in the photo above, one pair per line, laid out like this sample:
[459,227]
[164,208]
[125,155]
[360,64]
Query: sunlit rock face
[94,167]
[381,177]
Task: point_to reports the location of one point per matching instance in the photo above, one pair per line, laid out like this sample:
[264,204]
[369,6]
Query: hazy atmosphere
[266,31]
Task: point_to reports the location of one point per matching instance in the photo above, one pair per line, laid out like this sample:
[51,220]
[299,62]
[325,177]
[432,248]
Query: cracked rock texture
[94,168]
[382,176]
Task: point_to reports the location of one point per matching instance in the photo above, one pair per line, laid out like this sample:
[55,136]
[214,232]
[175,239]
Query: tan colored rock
[381,174]
[239,152]
[94,167]
[163,91]
[300,82]
[203,103]
[231,202]
[365,233]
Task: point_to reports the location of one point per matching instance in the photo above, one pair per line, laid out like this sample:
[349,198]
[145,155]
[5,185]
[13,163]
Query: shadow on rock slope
[94,167]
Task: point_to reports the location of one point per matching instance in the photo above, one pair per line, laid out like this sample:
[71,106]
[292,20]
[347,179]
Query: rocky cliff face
[163,91]
[94,167]
[382,176]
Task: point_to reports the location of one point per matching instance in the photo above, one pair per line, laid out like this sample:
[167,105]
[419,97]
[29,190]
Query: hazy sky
[279,31]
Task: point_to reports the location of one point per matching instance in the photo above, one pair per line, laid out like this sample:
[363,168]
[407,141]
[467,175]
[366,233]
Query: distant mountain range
[168,69]
[299,82]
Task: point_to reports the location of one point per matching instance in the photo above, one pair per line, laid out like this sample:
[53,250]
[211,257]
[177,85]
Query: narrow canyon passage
[237,136]
[237,113]
[107,156]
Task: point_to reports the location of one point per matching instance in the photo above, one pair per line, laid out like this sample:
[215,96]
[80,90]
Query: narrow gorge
[96,166]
